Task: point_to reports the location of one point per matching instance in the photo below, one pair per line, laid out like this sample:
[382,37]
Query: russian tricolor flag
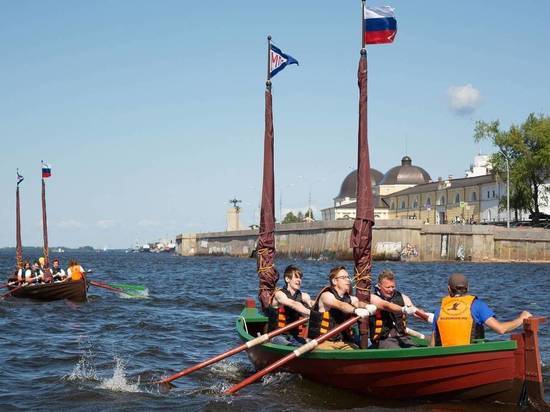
[380,25]
[46,170]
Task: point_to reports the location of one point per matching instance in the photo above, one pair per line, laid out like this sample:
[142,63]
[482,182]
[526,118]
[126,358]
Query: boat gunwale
[251,315]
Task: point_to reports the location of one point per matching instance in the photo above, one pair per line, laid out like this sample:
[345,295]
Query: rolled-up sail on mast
[18,242]
[46,172]
[267,273]
[361,235]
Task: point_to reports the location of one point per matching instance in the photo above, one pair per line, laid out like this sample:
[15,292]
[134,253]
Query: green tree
[291,218]
[309,214]
[527,148]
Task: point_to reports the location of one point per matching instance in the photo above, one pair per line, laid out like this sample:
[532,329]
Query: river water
[103,354]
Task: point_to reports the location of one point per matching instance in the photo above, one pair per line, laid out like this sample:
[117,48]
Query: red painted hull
[470,376]
[72,290]
[506,371]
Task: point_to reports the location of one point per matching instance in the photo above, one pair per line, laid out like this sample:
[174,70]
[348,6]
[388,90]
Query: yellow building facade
[441,202]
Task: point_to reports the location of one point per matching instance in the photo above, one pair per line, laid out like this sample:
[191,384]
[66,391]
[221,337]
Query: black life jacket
[322,322]
[383,321]
[284,315]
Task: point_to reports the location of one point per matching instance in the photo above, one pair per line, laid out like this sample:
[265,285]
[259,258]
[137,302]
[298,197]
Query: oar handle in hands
[428,317]
[254,342]
[295,354]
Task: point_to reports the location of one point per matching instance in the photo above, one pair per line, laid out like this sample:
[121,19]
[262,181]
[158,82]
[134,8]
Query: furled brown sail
[18,242]
[361,235]
[45,226]
[267,273]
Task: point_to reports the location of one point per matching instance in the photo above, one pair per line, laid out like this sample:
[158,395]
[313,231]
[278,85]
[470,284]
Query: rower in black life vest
[461,317]
[389,329]
[58,273]
[288,305]
[335,305]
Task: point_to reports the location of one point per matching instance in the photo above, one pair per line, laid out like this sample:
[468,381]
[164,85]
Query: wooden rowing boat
[507,371]
[72,290]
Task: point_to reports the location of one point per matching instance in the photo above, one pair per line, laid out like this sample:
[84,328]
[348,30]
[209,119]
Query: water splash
[83,370]
[118,382]
[276,378]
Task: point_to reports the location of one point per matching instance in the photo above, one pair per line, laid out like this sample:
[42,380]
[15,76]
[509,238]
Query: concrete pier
[404,239]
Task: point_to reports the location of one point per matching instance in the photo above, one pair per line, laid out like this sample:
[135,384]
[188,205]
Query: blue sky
[151,113]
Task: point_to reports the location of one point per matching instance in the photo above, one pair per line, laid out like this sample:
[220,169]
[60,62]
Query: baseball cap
[458,280]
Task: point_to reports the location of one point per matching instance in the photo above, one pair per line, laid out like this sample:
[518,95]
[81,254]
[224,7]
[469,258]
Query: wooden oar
[422,315]
[11,291]
[251,343]
[105,286]
[295,354]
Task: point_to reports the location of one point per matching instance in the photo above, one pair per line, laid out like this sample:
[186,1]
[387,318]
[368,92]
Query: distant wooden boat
[75,291]
[507,371]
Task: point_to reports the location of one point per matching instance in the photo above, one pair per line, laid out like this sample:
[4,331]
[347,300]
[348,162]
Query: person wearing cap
[288,305]
[335,305]
[461,317]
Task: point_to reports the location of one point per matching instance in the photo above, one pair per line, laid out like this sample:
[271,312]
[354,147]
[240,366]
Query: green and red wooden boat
[507,371]
[75,291]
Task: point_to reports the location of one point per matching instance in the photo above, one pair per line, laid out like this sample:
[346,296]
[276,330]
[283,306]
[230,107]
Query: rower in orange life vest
[75,271]
[335,305]
[461,317]
[389,329]
[288,305]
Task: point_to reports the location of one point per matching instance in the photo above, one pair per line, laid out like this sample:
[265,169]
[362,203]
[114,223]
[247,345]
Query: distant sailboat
[72,290]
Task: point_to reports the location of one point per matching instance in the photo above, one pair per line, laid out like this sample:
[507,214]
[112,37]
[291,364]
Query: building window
[392,206]
[474,196]
[442,200]
[457,198]
[415,203]
[402,204]
[488,195]
[428,202]
[493,193]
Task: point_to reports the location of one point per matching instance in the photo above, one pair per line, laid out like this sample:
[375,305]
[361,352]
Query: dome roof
[349,185]
[406,174]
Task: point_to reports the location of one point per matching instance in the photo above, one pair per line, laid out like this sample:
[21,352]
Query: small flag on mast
[46,170]
[19,178]
[279,60]
[380,25]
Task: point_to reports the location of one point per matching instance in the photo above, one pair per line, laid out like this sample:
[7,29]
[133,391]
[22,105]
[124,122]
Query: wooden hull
[72,290]
[500,371]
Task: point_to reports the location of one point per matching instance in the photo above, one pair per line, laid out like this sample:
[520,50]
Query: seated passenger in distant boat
[59,275]
[35,275]
[75,271]
[288,305]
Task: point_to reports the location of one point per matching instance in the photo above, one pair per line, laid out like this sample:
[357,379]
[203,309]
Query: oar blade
[165,387]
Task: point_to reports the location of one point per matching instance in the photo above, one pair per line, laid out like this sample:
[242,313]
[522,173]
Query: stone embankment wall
[409,240]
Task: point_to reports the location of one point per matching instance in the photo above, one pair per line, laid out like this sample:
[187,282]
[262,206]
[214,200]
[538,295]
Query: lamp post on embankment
[507,188]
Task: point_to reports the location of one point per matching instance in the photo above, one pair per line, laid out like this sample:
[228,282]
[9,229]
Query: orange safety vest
[455,323]
[76,272]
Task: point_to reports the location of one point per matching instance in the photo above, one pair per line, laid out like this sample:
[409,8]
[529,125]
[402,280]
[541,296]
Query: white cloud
[106,223]
[70,224]
[464,99]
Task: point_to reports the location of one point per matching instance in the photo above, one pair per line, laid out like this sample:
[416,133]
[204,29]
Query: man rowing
[388,329]
[58,273]
[288,305]
[461,317]
[335,305]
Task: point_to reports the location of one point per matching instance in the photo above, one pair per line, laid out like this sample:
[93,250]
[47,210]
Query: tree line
[527,149]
